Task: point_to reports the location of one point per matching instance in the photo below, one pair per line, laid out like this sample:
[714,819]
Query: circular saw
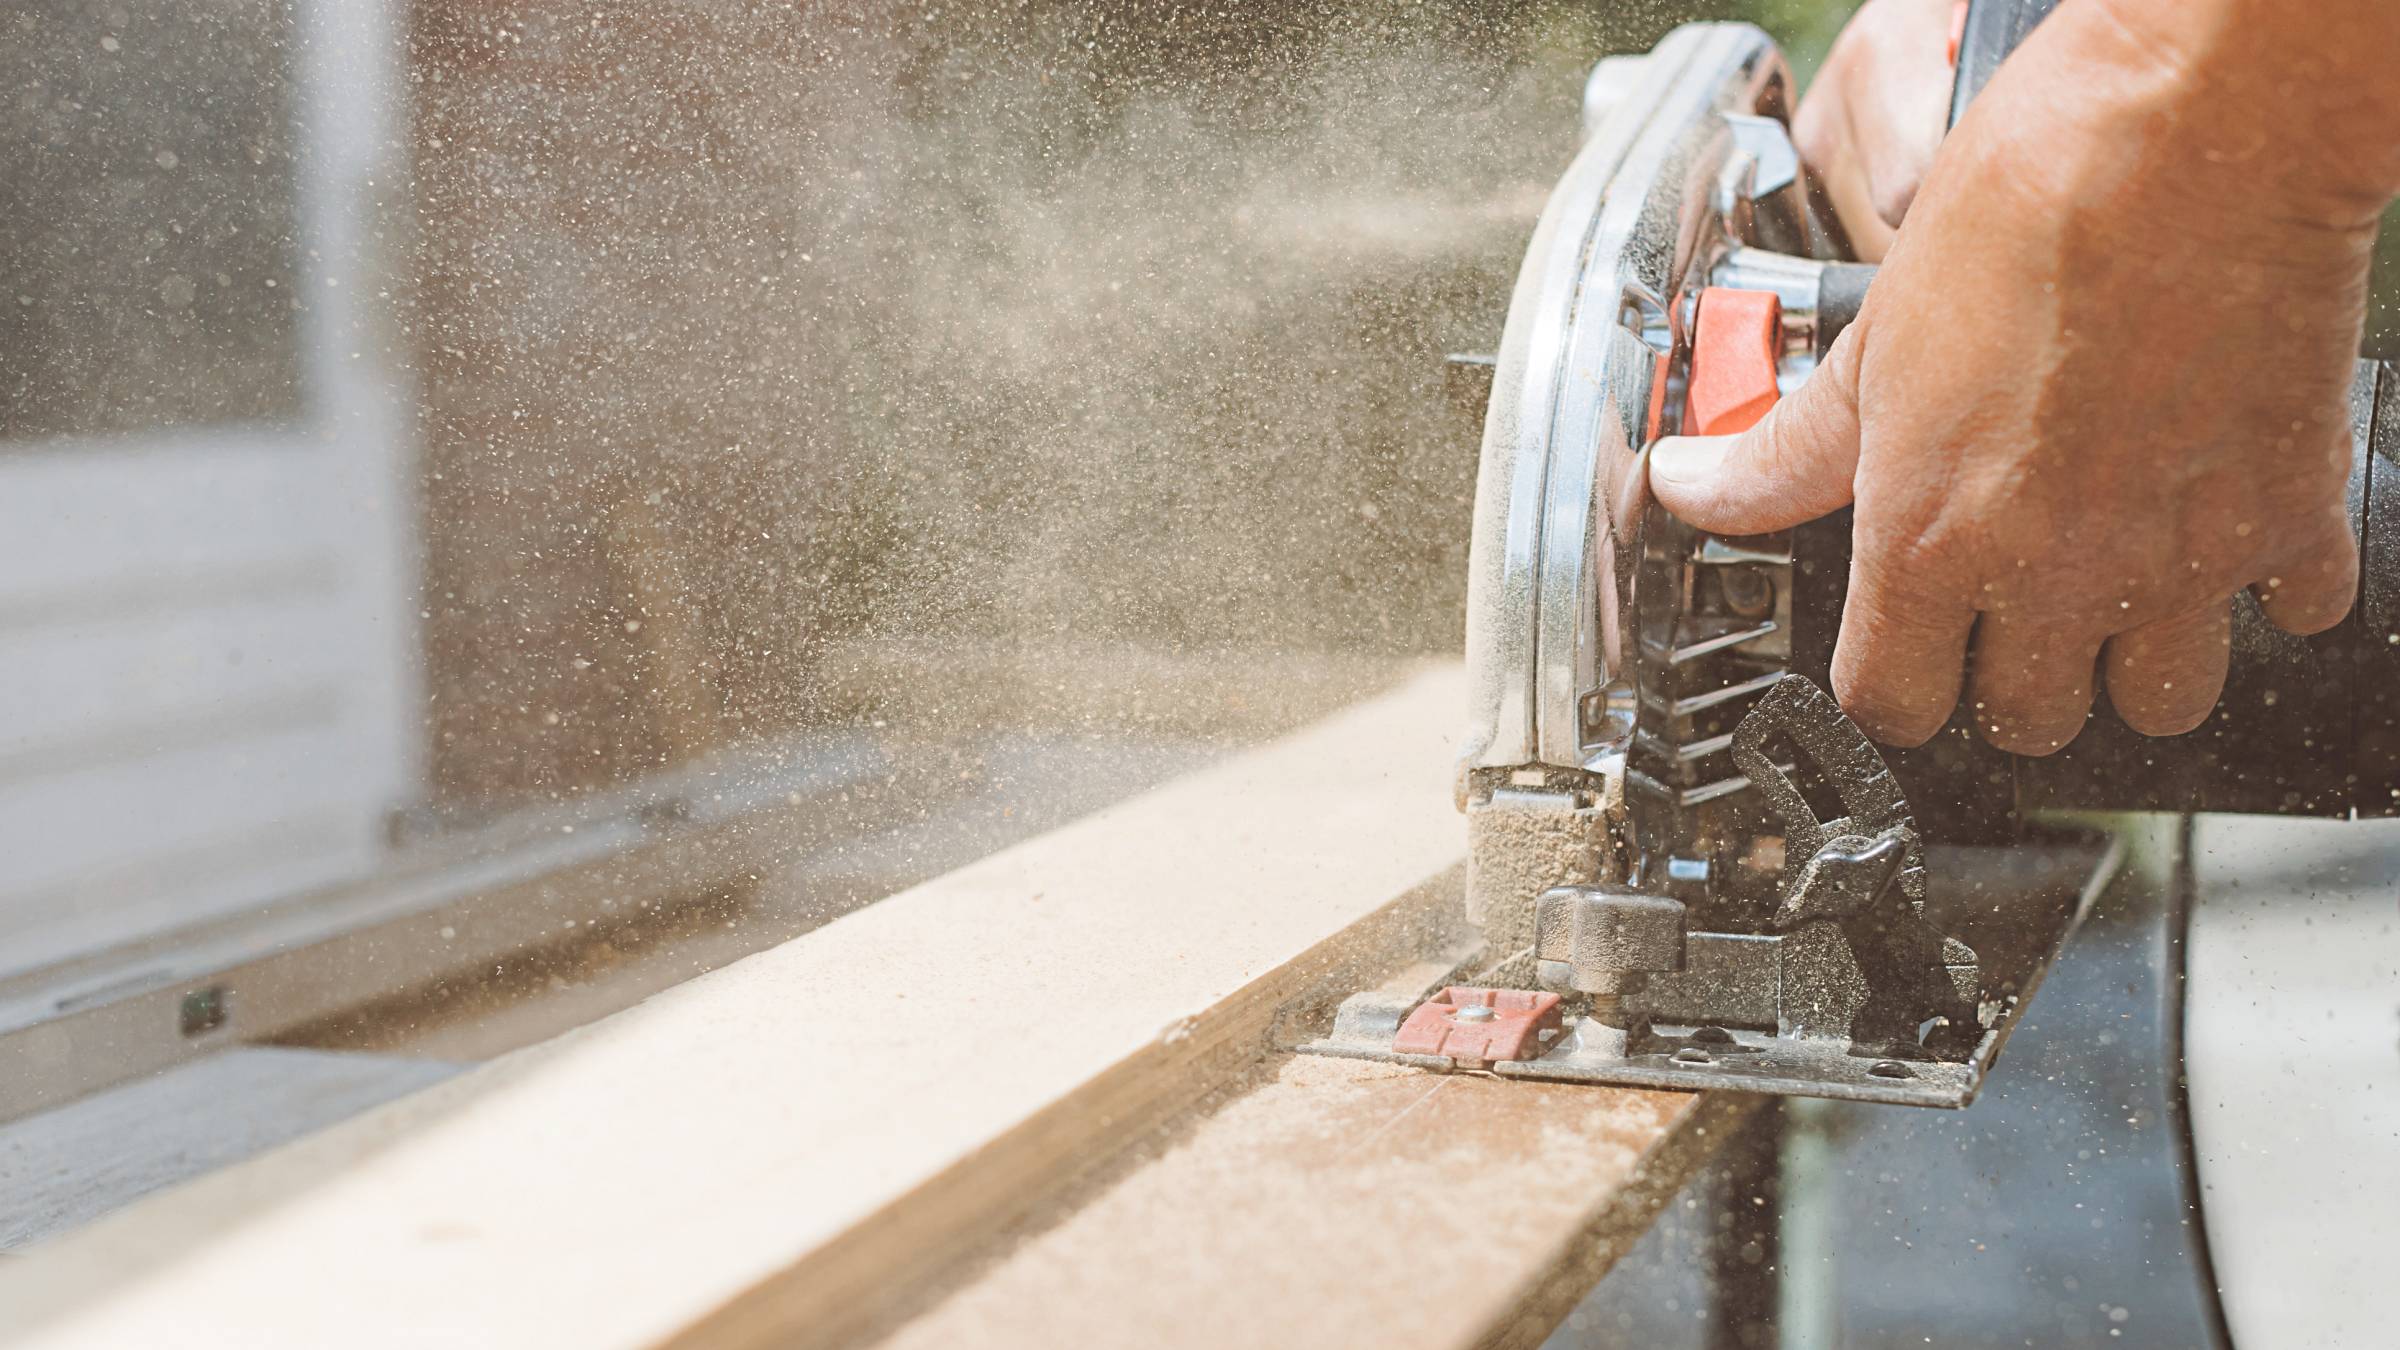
[1688,867]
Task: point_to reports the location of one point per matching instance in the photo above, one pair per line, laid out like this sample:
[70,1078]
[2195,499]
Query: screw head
[1473,1012]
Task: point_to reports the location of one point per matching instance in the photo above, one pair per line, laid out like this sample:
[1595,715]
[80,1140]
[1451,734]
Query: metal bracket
[2014,904]
[1881,970]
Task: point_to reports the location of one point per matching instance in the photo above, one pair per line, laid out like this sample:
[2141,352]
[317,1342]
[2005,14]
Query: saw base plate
[2014,904]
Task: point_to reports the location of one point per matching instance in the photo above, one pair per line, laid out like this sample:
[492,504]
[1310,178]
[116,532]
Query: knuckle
[1918,557]
[1928,557]
[1890,710]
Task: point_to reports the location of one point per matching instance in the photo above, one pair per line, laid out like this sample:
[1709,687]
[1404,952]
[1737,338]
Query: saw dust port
[1021,672]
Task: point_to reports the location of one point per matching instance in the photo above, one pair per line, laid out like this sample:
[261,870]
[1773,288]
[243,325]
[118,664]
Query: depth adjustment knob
[1605,939]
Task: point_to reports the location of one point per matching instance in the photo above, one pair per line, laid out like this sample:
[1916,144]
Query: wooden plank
[1342,1203]
[826,1123]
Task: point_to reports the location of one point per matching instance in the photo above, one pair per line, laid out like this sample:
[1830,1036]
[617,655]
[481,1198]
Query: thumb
[1795,465]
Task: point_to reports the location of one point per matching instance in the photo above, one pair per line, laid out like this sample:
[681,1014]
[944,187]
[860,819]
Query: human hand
[1875,113]
[2099,386]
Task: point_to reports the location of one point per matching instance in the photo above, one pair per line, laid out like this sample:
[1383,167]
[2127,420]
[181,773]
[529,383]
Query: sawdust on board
[1316,1194]
[1513,856]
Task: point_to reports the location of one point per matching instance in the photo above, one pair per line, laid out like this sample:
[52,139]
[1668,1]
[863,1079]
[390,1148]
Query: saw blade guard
[1582,381]
[1611,650]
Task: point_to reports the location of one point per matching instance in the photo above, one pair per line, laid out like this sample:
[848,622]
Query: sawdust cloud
[1006,328]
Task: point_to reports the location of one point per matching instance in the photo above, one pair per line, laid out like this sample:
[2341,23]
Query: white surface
[207,636]
[2293,1046]
[67,1167]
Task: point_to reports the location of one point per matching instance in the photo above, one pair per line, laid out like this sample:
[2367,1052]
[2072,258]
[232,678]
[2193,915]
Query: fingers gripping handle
[1841,294]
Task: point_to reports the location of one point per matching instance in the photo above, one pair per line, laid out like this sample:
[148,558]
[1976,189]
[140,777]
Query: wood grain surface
[825,1124]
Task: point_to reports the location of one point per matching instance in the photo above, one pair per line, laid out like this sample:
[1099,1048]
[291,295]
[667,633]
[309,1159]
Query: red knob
[1736,339]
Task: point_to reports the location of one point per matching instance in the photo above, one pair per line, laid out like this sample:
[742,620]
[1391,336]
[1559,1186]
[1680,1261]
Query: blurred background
[421,418]
[507,504]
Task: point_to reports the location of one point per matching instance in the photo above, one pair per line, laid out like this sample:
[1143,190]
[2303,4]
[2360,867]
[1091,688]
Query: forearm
[2299,97]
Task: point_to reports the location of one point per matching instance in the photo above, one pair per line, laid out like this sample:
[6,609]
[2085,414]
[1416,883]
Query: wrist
[2292,106]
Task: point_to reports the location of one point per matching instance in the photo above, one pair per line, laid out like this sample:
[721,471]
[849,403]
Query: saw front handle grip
[1988,30]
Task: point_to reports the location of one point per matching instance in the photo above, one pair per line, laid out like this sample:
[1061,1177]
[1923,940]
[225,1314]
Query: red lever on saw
[1480,1026]
[1736,338]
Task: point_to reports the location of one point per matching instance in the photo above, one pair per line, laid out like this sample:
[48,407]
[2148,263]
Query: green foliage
[1805,28]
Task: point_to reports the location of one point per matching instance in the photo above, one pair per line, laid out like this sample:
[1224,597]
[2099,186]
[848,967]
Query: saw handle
[1990,30]
[1841,294]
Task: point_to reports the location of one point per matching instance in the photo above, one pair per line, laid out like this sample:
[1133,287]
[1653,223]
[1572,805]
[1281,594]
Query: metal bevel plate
[2014,905]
